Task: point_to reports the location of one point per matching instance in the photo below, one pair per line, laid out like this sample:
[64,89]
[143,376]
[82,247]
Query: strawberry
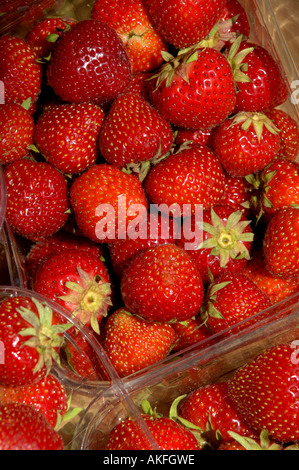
[43,36]
[134,133]
[130,20]
[79,281]
[289,133]
[265,393]
[31,340]
[280,244]
[22,427]
[227,241]
[132,343]
[48,396]
[234,10]
[162,284]
[212,404]
[67,136]
[19,71]
[168,434]
[37,198]
[230,299]
[156,230]
[236,194]
[140,84]
[246,143]
[190,332]
[184,23]
[105,200]
[192,176]
[200,136]
[93,51]
[182,88]
[16,134]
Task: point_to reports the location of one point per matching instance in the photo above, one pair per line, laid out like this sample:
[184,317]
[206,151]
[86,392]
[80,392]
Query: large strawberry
[134,133]
[265,393]
[79,281]
[22,427]
[162,283]
[105,200]
[31,340]
[16,132]
[67,136]
[19,71]
[246,143]
[37,198]
[130,20]
[183,23]
[280,244]
[194,89]
[192,176]
[132,343]
[92,51]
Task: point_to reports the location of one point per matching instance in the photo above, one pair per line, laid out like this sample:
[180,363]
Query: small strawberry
[93,51]
[130,20]
[200,136]
[191,176]
[79,281]
[19,71]
[190,332]
[289,133]
[134,133]
[195,89]
[31,340]
[234,10]
[37,198]
[105,200]
[22,427]
[236,194]
[67,136]
[132,343]
[246,143]
[162,284]
[184,23]
[265,393]
[280,244]
[48,396]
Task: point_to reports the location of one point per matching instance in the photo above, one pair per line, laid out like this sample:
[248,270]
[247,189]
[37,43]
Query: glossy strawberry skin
[162,284]
[289,133]
[85,78]
[276,374]
[67,136]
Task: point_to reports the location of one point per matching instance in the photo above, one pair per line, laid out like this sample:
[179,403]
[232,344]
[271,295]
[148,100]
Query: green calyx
[45,337]
[236,60]
[260,185]
[91,298]
[257,120]
[227,238]
[251,444]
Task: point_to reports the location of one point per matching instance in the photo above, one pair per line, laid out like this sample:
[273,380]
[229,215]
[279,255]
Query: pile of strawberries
[151,173]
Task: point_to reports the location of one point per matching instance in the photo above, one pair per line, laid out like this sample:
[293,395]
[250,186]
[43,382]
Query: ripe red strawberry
[22,427]
[48,396]
[200,136]
[156,230]
[19,71]
[182,89]
[236,194]
[232,298]
[280,244]
[265,393]
[191,176]
[133,133]
[246,143]
[190,332]
[140,84]
[93,51]
[79,281]
[266,88]
[30,338]
[43,36]
[105,200]
[162,284]
[67,136]
[226,244]
[212,404]
[184,23]
[289,133]
[16,132]
[234,9]
[132,343]
[37,198]
[130,20]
